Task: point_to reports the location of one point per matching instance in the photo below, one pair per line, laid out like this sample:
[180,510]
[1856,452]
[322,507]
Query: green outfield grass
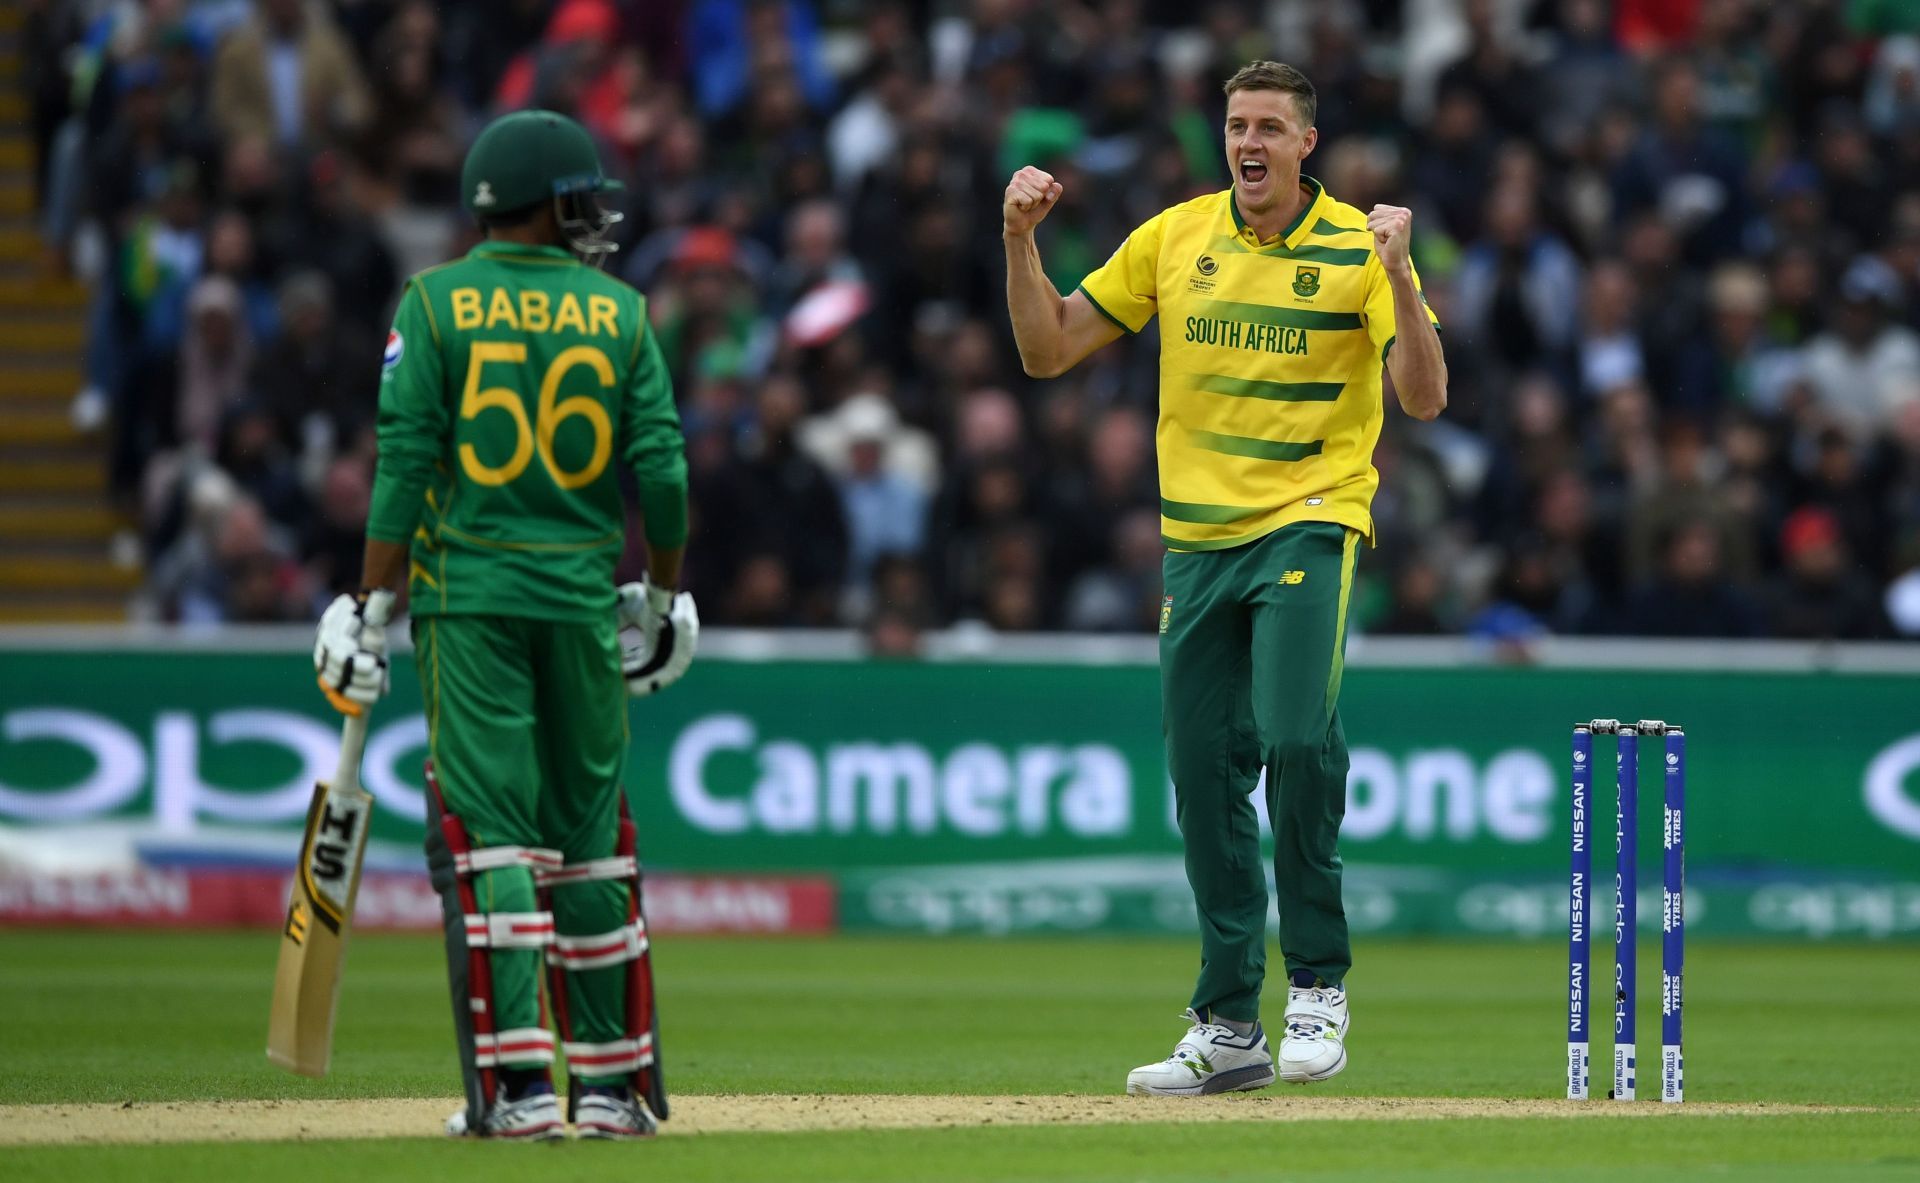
[1832,1149]
[159,1017]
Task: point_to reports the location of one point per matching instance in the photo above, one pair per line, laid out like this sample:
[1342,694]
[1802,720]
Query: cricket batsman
[1278,306]
[520,381]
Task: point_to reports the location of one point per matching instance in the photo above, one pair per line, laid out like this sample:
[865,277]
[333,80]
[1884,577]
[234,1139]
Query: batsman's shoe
[1209,1059]
[1315,1046]
[533,1118]
[615,1117]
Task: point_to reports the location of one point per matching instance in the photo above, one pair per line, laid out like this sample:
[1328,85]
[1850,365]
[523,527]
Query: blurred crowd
[1674,245]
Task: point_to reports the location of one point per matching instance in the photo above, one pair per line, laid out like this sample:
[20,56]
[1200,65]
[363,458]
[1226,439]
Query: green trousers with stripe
[527,726]
[1252,647]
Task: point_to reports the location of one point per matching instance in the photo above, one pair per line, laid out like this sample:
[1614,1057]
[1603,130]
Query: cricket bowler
[1278,306]
[519,382]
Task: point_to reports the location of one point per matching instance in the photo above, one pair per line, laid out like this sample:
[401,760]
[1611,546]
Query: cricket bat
[313,942]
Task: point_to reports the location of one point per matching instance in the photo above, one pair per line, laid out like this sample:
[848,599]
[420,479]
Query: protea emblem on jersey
[1306,281]
[1206,265]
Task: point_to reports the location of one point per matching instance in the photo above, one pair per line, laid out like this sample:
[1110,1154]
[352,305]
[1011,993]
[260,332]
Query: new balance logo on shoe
[1209,1059]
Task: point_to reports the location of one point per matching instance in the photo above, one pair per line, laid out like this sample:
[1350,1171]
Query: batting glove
[350,653]
[659,631]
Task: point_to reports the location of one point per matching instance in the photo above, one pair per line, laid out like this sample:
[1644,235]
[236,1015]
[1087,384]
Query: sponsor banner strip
[1109,896]
[200,897]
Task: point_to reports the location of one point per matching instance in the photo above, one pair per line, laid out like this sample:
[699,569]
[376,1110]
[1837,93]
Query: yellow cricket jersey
[1270,360]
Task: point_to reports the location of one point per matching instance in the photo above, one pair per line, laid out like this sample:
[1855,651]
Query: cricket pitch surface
[285,1121]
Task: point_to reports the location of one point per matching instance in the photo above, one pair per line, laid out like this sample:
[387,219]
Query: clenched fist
[1030,197]
[1392,228]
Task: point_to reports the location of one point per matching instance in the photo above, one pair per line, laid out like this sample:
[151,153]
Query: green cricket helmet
[528,157]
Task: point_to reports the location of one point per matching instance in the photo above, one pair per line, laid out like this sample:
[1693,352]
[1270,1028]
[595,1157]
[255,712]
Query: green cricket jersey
[517,382]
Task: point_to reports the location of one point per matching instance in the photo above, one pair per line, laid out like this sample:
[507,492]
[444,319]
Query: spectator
[1418,601]
[815,254]
[1892,101]
[892,633]
[234,568]
[1586,77]
[1819,596]
[1610,353]
[1854,184]
[289,75]
[1494,73]
[332,235]
[1902,600]
[1749,369]
[1866,366]
[337,530]
[709,302]
[870,419]
[886,512]
[866,132]
[413,139]
[1455,161]
[1687,493]
[1123,594]
[1691,596]
[317,381]
[251,451]
[1684,169]
[1837,478]
[730,39]
[772,518]
[1118,472]
[1676,249]
[1522,602]
[1518,290]
[215,360]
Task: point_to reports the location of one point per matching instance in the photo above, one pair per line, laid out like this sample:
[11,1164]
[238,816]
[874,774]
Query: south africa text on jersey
[534,311]
[1238,334]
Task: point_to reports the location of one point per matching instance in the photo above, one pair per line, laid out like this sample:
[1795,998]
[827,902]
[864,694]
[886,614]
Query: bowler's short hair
[1277,76]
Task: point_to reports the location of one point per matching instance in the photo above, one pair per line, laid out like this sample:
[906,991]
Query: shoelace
[1200,1028]
[1312,1026]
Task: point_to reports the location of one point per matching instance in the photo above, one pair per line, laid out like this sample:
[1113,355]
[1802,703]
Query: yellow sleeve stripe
[1280,392]
[1082,289]
[639,329]
[1256,449]
[426,304]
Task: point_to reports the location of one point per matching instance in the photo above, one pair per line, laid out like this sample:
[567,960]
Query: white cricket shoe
[1209,1059]
[620,1119]
[533,1118]
[1315,1046]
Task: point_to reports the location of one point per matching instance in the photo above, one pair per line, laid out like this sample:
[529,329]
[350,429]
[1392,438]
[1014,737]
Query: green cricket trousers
[527,727]
[1252,645]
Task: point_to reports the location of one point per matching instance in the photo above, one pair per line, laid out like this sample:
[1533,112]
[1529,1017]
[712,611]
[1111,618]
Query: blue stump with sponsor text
[1627,738]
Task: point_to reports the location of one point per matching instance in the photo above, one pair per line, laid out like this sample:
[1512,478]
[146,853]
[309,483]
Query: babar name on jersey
[534,311]
[1240,334]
